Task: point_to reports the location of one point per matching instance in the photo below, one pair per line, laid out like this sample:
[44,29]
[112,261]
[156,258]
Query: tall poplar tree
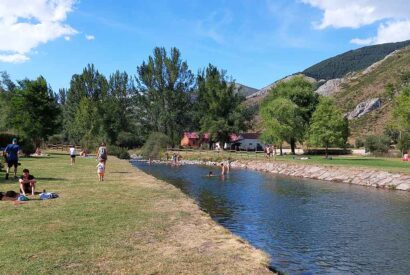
[164,93]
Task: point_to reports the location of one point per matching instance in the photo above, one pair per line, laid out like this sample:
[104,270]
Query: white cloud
[393,18]
[13,58]
[67,38]
[25,24]
[89,37]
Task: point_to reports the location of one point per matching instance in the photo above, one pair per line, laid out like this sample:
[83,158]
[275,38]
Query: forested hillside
[351,61]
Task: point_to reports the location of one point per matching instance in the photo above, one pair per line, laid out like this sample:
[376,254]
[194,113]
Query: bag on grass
[48,196]
[22,198]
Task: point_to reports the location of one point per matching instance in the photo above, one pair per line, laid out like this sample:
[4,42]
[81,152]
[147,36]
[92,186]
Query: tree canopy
[327,127]
[218,107]
[164,92]
[301,93]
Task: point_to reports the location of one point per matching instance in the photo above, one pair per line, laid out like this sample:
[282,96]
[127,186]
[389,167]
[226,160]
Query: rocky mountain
[365,95]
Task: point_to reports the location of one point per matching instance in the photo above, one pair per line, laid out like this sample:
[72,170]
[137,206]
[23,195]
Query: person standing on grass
[102,153]
[12,159]
[72,154]
[27,180]
[101,170]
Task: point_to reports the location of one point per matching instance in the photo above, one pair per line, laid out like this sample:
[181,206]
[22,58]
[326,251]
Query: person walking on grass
[12,159]
[101,170]
[102,153]
[72,154]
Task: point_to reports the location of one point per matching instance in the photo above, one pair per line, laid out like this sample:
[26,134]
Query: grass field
[365,162]
[130,223]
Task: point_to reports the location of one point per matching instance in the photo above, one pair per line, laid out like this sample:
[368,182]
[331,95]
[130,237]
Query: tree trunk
[292,145]
[326,151]
[281,152]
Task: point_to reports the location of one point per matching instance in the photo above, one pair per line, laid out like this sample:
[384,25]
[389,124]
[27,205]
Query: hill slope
[394,71]
[351,61]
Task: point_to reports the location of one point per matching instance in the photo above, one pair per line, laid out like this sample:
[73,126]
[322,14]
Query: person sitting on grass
[27,182]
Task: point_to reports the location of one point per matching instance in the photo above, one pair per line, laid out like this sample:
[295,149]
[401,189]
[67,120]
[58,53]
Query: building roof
[196,135]
[249,136]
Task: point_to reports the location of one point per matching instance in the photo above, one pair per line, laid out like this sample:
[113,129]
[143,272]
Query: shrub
[377,144]
[119,152]
[127,139]
[6,138]
[27,147]
[404,142]
[358,143]
[155,145]
[56,139]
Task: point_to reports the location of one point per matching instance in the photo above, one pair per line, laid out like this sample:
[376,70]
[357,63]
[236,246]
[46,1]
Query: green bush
[119,152]
[155,145]
[56,139]
[127,139]
[358,143]
[27,147]
[6,138]
[404,142]
[377,144]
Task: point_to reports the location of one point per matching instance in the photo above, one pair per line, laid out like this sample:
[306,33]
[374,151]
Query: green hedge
[119,152]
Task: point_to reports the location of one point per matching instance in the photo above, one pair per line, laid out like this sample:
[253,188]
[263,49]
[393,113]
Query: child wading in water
[101,170]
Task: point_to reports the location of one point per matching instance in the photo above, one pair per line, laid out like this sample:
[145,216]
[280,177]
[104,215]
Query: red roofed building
[194,139]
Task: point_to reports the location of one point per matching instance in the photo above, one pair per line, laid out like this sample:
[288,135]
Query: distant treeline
[355,60]
[122,110]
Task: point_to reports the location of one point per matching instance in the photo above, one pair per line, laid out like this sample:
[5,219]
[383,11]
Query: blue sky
[256,41]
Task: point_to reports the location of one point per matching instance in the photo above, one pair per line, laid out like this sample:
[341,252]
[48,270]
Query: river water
[306,226]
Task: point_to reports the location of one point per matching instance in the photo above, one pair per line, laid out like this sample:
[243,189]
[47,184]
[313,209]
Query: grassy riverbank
[130,223]
[395,165]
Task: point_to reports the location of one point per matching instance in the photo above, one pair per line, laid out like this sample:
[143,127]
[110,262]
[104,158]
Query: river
[306,226]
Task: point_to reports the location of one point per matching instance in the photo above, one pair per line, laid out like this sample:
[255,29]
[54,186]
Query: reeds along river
[307,226]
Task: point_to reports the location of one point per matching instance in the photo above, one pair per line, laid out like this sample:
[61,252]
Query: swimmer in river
[223,168]
[210,174]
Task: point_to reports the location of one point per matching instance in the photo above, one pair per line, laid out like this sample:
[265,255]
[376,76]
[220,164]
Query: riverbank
[130,223]
[350,175]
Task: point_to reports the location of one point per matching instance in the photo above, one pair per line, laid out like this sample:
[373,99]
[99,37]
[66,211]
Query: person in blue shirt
[12,158]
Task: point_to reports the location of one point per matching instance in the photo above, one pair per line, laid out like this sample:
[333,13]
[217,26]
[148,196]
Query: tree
[155,145]
[164,89]
[85,97]
[401,117]
[377,144]
[34,110]
[328,127]
[218,107]
[401,112]
[301,93]
[281,121]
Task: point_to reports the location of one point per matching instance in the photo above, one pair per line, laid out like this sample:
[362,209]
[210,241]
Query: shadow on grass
[120,172]
[51,179]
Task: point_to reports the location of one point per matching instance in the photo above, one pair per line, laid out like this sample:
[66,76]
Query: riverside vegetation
[130,222]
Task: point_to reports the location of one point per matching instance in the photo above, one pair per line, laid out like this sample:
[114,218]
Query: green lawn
[365,162]
[130,223]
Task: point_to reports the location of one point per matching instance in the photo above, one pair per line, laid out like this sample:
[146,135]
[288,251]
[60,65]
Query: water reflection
[306,226]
